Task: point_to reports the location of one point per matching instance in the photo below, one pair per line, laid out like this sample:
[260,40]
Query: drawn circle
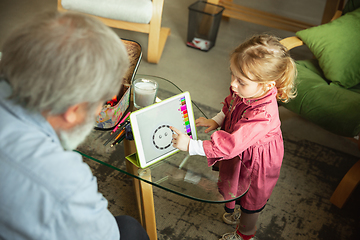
[162,137]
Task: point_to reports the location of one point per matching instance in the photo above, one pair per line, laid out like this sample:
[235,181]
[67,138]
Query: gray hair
[59,60]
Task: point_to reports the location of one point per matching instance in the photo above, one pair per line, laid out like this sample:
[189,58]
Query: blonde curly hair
[263,58]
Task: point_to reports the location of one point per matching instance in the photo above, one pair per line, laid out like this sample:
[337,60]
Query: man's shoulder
[32,152]
[52,192]
[44,186]
[36,161]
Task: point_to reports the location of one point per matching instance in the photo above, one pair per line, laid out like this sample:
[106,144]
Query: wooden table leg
[131,168]
[144,193]
[147,199]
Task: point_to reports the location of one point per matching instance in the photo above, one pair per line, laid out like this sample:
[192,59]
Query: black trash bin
[203,26]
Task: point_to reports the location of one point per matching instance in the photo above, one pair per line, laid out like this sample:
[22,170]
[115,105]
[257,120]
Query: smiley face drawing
[162,137]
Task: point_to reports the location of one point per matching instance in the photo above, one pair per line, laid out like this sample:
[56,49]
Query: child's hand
[203,122]
[180,140]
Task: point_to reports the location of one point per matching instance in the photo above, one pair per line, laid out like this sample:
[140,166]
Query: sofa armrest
[337,14]
[291,42]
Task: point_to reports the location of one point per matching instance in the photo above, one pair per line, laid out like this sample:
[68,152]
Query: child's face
[245,88]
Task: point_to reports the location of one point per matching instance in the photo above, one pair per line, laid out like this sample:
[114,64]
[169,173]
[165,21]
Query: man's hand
[180,140]
[204,122]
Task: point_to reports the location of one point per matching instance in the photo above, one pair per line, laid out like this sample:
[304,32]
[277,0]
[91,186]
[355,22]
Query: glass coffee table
[187,176]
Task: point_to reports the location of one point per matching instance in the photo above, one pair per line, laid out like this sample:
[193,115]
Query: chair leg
[156,44]
[157,34]
[164,33]
[346,186]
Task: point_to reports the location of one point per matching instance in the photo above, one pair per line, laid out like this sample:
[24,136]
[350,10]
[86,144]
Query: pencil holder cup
[144,91]
[114,109]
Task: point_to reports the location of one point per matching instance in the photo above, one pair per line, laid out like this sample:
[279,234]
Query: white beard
[72,138]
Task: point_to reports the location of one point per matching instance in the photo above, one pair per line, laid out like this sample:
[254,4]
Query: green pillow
[337,47]
[330,106]
[309,77]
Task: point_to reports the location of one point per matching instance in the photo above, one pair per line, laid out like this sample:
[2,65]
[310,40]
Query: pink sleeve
[253,126]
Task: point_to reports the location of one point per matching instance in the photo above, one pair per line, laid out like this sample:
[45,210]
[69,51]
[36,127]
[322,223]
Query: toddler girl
[262,72]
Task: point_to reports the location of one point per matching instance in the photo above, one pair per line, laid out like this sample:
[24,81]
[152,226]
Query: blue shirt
[45,191]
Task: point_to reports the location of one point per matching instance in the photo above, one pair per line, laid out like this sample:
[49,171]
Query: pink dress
[250,133]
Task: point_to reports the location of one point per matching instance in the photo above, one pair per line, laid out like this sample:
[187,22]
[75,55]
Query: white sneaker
[232,218]
[233,236]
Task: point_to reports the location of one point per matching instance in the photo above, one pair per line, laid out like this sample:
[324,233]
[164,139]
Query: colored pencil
[120,134]
[123,120]
[117,141]
[112,137]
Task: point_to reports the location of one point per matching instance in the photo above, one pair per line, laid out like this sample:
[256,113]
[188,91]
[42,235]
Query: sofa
[328,86]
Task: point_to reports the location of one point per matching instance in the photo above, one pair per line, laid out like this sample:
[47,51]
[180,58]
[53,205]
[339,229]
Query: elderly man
[55,73]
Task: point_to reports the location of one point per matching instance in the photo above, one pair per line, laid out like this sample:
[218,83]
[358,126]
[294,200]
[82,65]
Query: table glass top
[180,173]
